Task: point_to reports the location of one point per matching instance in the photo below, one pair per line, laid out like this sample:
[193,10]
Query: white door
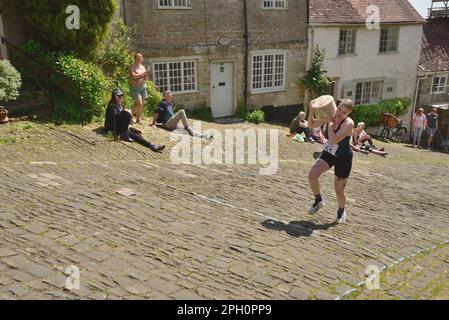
[2,46]
[222,89]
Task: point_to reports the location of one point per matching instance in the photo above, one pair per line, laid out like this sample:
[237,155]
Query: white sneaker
[341,218]
[316,206]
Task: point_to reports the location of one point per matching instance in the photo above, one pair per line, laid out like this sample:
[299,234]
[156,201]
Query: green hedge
[257,117]
[83,89]
[370,113]
[153,99]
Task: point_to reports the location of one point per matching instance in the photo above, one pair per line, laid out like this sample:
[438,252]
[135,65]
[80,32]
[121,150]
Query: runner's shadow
[297,228]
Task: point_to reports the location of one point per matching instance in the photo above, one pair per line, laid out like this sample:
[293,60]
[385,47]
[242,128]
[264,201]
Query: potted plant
[10,82]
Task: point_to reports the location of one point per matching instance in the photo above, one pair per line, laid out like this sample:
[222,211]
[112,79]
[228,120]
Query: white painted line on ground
[397,262]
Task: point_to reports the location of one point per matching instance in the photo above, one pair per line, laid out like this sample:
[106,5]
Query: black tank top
[344,148]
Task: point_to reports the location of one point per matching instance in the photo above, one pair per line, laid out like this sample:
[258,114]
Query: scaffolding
[439,9]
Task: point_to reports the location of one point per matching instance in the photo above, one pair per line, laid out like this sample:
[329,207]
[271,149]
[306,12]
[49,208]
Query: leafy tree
[316,79]
[47,18]
[113,54]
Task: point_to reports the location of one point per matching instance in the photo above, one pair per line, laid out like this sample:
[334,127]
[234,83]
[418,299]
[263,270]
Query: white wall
[367,62]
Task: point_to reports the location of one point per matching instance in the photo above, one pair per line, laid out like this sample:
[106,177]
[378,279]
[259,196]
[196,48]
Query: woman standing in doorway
[337,152]
[138,75]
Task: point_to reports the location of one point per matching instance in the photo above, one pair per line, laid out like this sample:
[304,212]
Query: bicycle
[392,127]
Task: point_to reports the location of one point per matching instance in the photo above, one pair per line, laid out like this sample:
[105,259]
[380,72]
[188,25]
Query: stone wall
[164,34]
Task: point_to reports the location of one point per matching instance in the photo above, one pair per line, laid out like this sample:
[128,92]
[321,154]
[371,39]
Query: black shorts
[343,164]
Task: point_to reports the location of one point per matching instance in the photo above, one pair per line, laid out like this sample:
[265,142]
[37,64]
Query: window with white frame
[439,84]
[177,76]
[368,92]
[268,72]
[274,4]
[389,40]
[182,4]
[347,42]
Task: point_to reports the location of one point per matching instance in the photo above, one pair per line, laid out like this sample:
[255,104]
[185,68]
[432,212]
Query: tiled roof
[354,11]
[435,45]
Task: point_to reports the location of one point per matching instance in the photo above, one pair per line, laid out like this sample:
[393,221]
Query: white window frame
[367,93]
[263,55]
[274,4]
[182,76]
[347,44]
[389,41]
[441,87]
[174,4]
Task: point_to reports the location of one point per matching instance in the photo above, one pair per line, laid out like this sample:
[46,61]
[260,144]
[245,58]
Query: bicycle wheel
[385,133]
[401,135]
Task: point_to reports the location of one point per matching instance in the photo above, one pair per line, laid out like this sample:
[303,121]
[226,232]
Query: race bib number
[330,148]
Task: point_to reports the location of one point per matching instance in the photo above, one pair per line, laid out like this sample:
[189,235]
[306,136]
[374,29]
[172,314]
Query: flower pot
[3,115]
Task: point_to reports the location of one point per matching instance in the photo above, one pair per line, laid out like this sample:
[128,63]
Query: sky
[421,6]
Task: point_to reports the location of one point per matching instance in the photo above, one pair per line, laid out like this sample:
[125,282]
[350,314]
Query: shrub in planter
[10,82]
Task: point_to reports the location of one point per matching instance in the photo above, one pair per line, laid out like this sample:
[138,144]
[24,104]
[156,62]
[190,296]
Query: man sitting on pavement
[164,114]
[300,125]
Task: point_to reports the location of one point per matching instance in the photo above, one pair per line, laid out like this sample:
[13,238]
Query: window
[347,42]
[177,76]
[182,4]
[268,72]
[274,4]
[439,84]
[389,40]
[368,92]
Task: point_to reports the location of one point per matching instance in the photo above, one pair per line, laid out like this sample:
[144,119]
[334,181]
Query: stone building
[433,73]
[370,62]
[433,83]
[223,53]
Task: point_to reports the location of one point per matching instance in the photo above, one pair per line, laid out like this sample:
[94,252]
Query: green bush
[48,18]
[153,99]
[81,89]
[370,114]
[257,116]
[10,81]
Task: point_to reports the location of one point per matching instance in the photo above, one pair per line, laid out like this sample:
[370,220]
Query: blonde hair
[302,113]
[361,124]
[419,110]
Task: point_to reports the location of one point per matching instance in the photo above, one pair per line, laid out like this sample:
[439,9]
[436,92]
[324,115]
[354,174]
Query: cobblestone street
[212,231]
